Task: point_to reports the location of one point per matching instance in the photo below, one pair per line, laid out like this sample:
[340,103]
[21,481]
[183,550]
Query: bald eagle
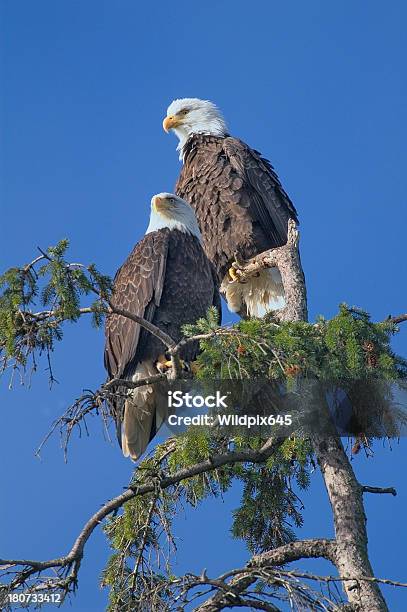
[169,281]
[238,199]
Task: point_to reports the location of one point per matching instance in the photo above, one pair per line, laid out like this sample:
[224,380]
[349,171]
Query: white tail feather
[259,295]
[139,411]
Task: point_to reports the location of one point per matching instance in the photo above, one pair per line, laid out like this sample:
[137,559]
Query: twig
[380,490]
[396,320]
[132,384]
[318,578]
[73,558]
[30,265]
[153,329]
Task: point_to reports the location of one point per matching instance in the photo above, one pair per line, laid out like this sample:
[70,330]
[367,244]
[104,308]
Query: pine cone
[370,350]
[292,370]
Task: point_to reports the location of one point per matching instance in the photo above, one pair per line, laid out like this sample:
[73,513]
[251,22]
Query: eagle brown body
[167,280]
[238,199]
[241,206]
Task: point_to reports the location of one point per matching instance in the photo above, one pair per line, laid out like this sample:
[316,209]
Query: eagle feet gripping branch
[252,292]
[233,273]
[236,273]
[164,364]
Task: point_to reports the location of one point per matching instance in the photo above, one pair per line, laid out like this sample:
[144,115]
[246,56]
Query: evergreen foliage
[343,349]
[36,299]
[348,352]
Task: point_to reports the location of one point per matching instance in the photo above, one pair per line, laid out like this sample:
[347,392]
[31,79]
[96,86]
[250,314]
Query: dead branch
[230,594]
[287,259]
[245,578]
[379,490]
[66,568]
[319,578]
[396,320]
[293,551]
[153,329]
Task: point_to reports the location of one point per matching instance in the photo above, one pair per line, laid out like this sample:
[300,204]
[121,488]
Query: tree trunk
[346,498]
[345,493]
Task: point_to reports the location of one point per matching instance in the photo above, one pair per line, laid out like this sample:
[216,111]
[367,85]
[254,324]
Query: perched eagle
[238,199]
[169,281]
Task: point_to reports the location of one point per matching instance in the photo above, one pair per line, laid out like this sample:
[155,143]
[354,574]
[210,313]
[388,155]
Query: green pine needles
[348,352]
[36,299]
[348,347]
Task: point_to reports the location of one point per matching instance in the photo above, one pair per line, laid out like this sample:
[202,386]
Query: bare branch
[26,569]
[246,577]
[287,260]
[231,594]
[396,320]
[301,549]
[380,490]
[132,384]
[319,578]
[49,314]
[153,329]
[31,265]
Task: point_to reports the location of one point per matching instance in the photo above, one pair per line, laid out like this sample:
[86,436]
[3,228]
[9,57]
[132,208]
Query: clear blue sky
[319,87]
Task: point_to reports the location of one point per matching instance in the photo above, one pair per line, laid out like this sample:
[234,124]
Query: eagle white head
[188,116]
[168,210]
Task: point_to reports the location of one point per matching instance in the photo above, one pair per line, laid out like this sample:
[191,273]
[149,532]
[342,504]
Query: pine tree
[348,353]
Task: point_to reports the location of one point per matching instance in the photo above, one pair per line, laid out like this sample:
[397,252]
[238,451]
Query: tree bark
[344,492]
[287,260]
[346,498]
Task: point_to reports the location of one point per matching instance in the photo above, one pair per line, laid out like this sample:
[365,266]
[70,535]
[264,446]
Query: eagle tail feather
[257,296]
[143,414]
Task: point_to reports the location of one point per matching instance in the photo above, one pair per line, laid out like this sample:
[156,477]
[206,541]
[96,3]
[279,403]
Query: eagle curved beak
[170,122]
[159,204]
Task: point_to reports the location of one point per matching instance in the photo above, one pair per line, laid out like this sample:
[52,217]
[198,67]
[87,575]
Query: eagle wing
[238,199]
[260,190]
[138,287]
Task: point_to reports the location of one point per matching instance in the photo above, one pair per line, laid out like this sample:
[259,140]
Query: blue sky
[318,87]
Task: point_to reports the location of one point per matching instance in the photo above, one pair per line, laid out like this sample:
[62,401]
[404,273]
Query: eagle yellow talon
[233,275]
[163,364]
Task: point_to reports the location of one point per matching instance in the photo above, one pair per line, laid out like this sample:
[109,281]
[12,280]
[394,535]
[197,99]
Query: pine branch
[247,577]
[396,320]
[25,570]
[356,579]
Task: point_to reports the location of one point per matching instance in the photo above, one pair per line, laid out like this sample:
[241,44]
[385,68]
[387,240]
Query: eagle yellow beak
[160,204]
[170,122]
